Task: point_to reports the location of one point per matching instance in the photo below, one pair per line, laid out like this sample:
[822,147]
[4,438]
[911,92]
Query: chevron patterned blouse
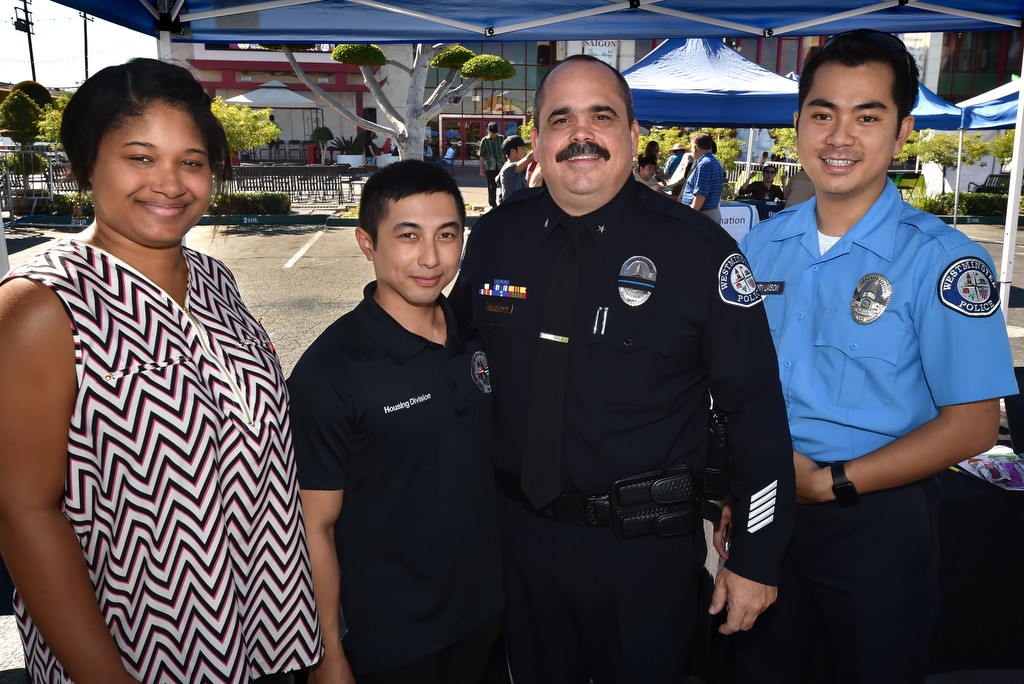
[181,480]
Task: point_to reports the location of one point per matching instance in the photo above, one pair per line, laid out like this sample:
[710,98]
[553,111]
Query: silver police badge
[870,298]
[636,280]
[480,372]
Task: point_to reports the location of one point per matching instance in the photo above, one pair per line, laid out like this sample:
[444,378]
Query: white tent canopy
[275,95]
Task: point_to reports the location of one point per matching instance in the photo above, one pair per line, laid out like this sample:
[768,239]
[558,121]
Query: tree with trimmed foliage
[942,149]
[53,114]
[19,118]
[1001,147]
[245,128]
[463,71]
[785,143]
[19,121]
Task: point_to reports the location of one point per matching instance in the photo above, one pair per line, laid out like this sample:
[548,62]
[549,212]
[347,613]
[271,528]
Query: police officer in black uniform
[602,572]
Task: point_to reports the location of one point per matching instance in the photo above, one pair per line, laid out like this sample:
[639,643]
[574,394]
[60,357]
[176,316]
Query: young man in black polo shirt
[391,412]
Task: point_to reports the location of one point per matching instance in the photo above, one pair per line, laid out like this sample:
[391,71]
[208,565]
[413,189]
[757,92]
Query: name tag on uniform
[498,307]
[772,287]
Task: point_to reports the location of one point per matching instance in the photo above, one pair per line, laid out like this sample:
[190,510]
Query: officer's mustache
[575,149]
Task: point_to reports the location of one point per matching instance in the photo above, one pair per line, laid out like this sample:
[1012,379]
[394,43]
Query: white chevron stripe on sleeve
[762,507]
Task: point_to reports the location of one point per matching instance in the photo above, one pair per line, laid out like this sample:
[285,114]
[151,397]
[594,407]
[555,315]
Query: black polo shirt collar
[602,223]
[391,338]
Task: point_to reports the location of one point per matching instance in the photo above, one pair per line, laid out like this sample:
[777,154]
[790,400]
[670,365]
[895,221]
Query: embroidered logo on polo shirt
[503,288]
[480,372]
[736,284]
[636,280]
[968,286]
[870,298]
[407,403]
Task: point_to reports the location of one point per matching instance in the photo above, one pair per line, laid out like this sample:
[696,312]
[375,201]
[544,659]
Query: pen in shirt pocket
[600,319]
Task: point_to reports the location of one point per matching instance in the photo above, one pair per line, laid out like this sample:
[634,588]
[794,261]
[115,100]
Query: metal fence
[30,178]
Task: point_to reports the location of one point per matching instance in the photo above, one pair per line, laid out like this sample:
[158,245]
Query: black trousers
[467,661]
[492,186]
[859,595]
[584,606]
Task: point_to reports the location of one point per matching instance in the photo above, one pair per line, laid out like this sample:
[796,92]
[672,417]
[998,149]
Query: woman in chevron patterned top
[149,510]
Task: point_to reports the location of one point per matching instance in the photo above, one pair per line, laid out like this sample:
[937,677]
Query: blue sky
[58,44]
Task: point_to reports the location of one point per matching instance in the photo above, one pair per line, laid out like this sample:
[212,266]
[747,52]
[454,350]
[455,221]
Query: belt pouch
[661,502]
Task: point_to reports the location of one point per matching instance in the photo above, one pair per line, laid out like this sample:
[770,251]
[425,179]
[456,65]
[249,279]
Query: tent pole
[956,190]
[750,155]
[1012,209]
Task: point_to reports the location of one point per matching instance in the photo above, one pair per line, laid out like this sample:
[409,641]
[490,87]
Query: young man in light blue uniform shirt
[893,355]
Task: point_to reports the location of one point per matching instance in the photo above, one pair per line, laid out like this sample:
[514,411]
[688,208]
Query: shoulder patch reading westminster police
[968,287]
[736,284]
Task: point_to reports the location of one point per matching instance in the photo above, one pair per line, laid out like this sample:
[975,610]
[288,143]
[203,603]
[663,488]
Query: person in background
[534,175]
[703,189]
[651,149]
[799,189]
[491,161]
[274,146]
[869,302]
[608,313]
[512,176]
[677,169]
[764,189]
[149,509]
[391,411]
[647,169]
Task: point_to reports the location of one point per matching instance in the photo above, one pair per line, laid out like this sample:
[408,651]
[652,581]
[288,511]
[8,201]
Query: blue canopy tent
[931,111]
[410,21]
[995,109]
[696,82]
[363,21]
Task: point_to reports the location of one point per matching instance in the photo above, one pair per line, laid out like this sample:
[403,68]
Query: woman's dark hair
[114,95]
[404,179]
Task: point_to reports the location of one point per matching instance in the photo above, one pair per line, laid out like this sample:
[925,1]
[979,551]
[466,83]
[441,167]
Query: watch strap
[846,493]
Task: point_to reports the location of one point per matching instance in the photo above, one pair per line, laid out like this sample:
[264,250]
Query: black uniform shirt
[400,424]
[665,313]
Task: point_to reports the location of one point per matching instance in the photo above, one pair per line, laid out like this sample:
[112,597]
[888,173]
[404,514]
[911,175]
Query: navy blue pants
[859,595]
[583,605]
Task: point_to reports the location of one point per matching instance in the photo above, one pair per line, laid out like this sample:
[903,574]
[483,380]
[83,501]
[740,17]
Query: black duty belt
[662,503]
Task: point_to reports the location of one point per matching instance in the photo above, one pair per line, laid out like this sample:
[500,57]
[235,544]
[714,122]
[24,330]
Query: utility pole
[24,23]
[85,31]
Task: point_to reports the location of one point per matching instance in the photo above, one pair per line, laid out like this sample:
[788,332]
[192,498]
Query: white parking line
[298,255]
[1014,331]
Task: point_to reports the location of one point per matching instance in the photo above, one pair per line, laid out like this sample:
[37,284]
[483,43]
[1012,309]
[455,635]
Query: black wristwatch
[846,493]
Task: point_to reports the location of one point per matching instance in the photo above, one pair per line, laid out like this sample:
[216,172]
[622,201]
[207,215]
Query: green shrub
[933,204]
[971,204]
[251,203]
[72,204]
[26,164]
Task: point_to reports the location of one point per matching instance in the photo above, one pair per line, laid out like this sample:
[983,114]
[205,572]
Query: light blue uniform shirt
[856,375]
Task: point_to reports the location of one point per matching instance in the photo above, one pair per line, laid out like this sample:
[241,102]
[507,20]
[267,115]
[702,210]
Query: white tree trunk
[409,133]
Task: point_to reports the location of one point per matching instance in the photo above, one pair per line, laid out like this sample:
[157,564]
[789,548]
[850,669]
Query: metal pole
[85,34]
[24,24]
[956,190]
[1012,209]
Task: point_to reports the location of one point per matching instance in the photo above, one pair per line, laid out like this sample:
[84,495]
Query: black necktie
[541,477]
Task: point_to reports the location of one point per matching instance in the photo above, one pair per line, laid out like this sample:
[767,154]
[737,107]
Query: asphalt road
[299,279]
